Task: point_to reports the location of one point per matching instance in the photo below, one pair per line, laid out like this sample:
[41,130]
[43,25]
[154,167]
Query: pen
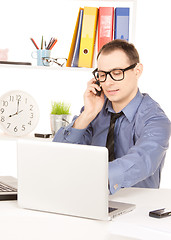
[53,44]
[34,43]
[50,43]
[42,43]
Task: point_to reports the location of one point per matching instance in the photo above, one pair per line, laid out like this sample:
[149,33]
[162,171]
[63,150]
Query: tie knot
[114,116]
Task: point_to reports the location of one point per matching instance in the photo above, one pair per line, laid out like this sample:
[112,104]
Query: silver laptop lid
[63,178]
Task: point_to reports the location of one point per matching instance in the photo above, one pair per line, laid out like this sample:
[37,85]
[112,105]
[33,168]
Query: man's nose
[109,80]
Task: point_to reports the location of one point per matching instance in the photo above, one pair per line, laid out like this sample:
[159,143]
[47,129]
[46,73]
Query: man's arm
[79,131]
[78,135]
[144,158]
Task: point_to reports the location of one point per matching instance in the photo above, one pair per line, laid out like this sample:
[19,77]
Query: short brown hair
[128,48]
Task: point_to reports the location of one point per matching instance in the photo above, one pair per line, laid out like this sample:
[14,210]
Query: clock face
[19,113]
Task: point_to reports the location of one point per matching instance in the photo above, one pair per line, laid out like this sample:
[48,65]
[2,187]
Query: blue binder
[122,23]
[74,62]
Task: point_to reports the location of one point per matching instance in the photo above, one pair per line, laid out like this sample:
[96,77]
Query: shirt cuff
[73,135]
[116,176]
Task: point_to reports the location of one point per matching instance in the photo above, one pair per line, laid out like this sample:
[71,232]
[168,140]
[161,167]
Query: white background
[21,20]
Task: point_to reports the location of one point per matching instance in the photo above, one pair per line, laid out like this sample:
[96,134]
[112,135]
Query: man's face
[120,93]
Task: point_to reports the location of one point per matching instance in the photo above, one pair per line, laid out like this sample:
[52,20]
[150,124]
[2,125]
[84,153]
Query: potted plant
[60,115]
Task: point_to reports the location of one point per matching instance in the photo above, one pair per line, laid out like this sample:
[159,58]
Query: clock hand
[18,106]
[18,102]
[19,111]
[15,113]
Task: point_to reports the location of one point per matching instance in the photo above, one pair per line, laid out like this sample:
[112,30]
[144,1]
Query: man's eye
[116,73]
[101,75]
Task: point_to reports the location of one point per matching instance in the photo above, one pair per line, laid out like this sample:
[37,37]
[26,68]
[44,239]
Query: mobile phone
[98,93]
[42,135]
[160,213]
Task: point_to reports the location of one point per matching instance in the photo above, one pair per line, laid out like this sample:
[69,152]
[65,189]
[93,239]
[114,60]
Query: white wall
[21,20]
[153,43]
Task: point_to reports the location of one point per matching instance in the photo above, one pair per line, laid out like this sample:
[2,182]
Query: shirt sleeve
[73,135]
[144,158]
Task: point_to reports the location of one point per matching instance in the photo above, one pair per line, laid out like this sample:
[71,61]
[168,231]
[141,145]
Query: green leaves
[59,108]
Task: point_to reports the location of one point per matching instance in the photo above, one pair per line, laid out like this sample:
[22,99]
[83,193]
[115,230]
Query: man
[141,132]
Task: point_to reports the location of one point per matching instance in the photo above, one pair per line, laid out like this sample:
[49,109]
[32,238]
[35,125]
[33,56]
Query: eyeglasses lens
[46,61]
[117,74]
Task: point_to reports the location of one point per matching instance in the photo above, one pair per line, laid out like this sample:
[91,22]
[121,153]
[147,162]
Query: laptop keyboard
[110,209]
[6,188]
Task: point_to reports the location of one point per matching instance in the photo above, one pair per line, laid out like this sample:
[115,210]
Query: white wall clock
[19,113]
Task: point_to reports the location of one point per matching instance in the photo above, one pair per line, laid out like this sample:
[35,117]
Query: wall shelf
[47,84]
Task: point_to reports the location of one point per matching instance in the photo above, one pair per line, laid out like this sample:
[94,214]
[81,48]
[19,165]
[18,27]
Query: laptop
[66,178]
[8,188]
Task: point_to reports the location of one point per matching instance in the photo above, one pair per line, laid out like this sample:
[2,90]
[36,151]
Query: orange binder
[105,25]
[71,52]
[88,36]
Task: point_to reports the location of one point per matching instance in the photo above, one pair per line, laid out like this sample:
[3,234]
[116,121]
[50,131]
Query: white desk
[21,224]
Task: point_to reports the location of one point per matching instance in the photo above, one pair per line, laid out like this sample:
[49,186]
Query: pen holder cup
[39,55]
[58,121]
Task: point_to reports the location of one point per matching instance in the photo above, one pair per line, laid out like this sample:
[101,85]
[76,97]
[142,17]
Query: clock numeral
[2,119]
[2,110]
[29,123]
[5,103]
[8,125]
[23,128]
[31,115]
[16,129]
[25,100]
[31,107]
[18,97]
[11,98]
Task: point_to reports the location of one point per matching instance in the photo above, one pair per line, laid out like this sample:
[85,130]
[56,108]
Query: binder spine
[88,36]
[122,23]
[105,25]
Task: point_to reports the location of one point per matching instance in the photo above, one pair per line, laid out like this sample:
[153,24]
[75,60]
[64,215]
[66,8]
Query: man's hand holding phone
[93,97]
[93,103]
[98,93]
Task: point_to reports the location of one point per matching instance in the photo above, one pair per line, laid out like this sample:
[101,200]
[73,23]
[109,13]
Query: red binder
[105,25]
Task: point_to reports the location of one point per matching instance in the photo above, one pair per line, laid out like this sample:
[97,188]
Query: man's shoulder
[151,114]
[148,103]
[150,108]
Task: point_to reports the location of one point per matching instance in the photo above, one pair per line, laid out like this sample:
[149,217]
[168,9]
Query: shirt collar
[130,110]
[108,106]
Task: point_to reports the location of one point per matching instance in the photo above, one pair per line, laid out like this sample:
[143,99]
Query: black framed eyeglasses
[49,61]
[115,74]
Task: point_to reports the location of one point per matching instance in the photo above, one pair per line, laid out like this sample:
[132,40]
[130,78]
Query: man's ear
[138,70]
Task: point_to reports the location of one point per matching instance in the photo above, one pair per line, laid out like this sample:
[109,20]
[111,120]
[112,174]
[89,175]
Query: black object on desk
[15,63]
[160,213]
[43,135]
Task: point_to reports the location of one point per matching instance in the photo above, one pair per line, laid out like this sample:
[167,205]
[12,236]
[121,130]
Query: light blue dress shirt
[141,138]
